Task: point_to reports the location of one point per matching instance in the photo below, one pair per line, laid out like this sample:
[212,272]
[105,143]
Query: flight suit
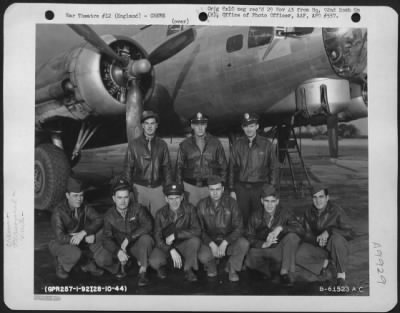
[193,166]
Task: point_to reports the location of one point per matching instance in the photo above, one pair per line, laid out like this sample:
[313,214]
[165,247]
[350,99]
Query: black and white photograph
[190,159]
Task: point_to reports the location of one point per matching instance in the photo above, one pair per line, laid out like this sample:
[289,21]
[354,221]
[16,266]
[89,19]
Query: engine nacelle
[358,107]
[323,96]
[96,83]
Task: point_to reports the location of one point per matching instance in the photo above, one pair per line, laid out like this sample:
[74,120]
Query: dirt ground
[347,178]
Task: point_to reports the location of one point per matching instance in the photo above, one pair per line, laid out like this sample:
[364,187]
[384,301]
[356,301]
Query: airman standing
[199,157]
[252,164]
[147,164]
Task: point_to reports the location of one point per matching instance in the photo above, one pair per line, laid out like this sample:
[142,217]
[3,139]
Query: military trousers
[140,249]
[280,257]
[248,199]
[188,250]
[194,194]
[151,198]
[311,256]
[68,255]
[236,251]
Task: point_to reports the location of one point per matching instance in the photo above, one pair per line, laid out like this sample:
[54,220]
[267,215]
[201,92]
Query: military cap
[317,188]
[121,184]
[249,118]
[149,114]
[213,180]
[199,118]
[269,190]
[74,185]
[173,189]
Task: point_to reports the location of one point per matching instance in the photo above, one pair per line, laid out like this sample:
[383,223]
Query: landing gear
[52,170]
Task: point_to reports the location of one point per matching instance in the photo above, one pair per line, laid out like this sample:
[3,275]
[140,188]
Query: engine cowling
[96,84]
[324,96]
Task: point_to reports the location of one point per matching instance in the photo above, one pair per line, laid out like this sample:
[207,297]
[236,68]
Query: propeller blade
[333,138]
[95,40]
[134,107]
[172,46]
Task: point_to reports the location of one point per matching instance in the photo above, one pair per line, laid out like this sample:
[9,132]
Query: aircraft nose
[346,49]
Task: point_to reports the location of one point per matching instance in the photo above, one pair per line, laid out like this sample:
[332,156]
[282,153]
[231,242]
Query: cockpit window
[259,36]
[173,29]
[234,43]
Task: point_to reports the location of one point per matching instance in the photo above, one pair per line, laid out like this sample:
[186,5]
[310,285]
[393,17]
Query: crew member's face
[75,199]
[121,199]
[270,203]
[320,200]
[250,130]
[174,201]
[216,191]
[150,126]
[199,129]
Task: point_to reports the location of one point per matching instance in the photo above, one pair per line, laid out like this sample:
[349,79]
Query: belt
[196,182]
[249,185]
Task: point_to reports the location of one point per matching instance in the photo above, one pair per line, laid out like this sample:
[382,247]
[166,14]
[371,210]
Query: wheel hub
[39,178]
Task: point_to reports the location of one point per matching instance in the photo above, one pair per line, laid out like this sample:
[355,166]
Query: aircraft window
[173,29]
[234,43]
[304,30]
[259,36]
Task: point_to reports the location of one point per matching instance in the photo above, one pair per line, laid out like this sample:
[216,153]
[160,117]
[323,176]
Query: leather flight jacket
[255,165]
[333,219]
[184,224]
[223,222]
[258,229]
[64,223]
[137,222]
[194,166]
[145,167]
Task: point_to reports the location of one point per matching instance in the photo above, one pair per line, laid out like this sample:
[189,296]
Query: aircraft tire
[52,170]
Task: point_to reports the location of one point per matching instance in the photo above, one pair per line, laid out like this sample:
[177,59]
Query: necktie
[149,144]
[76,213]
[270,221]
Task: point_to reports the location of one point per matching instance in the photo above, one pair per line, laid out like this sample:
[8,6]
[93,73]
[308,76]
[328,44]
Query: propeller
[132,70]
[333,138]
[95,40]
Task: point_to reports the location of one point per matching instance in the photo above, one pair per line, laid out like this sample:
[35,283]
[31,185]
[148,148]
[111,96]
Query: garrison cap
[149,114]
[249,118]
[317,188]
[213,180]
[173,189]
[269,190]
[74,185]
[121,184]
[199,118]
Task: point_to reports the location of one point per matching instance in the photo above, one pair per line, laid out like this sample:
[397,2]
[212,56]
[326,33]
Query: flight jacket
[333,219]
[223,222]
[147,168]
[64,224]
[138,221]
[252,165]
[184,227]
[194,166]
[258,230]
